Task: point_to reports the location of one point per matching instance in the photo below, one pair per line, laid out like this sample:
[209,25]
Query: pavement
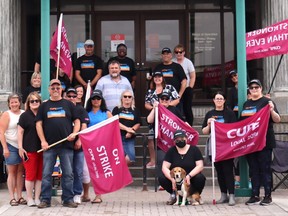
[132,201]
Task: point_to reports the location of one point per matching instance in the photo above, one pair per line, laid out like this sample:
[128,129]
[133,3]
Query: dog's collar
[180,183]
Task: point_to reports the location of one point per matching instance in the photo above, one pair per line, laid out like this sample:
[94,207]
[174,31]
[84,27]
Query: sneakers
[37,202]
[77,199]
[150,165]
[31,203]
[44,204]
[266,201]
[253,200]
[70,204]
[171,200]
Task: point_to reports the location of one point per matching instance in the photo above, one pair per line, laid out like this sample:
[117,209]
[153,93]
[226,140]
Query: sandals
[85,199]
[13,202]
[97,200]
[22,201]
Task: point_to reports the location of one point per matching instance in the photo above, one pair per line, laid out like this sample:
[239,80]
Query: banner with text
[168,124]
[104,155]
[269,41]
[232,140]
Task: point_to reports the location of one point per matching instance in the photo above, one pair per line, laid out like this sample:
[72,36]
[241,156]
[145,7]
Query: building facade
[205,27]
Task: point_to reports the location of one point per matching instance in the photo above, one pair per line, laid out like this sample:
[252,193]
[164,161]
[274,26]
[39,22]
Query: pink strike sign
[232,140]
[168,124]
[65,62]
[269,41]
[104,154]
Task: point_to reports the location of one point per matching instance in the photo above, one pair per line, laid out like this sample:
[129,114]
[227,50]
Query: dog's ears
[183,173]
[172,173]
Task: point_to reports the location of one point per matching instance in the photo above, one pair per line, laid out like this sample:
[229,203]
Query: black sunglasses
[127,96]
[34,101]
[71,96]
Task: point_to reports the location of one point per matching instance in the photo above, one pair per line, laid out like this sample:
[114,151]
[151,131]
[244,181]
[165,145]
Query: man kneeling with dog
[182,167]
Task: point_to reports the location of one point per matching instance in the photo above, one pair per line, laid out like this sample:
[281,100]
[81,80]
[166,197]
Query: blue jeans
[66,161]
[129,148]
[78,161]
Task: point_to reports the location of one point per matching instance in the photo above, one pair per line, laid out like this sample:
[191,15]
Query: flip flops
[97,200]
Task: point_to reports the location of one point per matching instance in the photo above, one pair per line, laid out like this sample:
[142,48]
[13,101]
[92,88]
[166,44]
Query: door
[144,35]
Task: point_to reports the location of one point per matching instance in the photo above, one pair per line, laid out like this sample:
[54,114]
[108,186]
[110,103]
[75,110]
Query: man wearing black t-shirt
[89,66]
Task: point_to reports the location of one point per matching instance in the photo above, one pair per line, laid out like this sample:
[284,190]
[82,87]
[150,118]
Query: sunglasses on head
[34,101]
[55,88]
[127,96]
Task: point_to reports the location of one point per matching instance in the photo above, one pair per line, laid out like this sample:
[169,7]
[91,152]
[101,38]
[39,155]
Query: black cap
[97,93]
[121,44]
[256,81]
[179,133]
[232,72]
[166,49]
[71,90]
[157,73]
[165,93]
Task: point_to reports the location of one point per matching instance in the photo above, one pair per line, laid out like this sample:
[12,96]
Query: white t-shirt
[187,66]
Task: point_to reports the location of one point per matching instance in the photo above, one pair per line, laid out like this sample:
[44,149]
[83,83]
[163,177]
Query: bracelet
[189,175]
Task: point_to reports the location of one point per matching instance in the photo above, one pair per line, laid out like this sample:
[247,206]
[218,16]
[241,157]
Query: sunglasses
[178,52]
[55,88]
[89,46]
[96,98]
[254,87]
[165,99]
[71,96]
[127,96]
[34,101]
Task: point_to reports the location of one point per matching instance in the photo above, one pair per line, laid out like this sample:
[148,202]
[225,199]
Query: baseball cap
[179,133]
[256,81]
[165,93]
[232,72]
[157,73]
[97,93]
[54,81]
[89,42]
[166,49]
[121,45]
[71,90]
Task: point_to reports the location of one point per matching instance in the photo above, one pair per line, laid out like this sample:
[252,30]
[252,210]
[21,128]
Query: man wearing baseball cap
[88,66]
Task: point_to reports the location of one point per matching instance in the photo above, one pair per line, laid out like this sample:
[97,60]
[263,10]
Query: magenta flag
[168,124]
[65,62]
[104,154]
[231,140]
[269,41]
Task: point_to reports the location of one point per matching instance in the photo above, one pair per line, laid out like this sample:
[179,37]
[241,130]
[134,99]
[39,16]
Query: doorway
[145,34]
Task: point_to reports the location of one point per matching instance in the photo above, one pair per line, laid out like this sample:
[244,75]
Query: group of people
[64,114]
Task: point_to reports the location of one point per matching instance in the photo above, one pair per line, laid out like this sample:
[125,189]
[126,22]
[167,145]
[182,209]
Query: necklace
[182,156]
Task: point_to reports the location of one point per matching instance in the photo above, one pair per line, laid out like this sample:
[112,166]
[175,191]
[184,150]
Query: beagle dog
[179,175]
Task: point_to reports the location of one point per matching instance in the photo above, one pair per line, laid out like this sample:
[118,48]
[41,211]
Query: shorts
[129,148]
[151,131]
[14,157]
[34,166]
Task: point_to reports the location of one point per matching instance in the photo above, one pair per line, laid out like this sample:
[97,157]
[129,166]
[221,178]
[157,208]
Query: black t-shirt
[127,66]
[28,90]
[127,117]
[187,161]
[31,141]
[173,74]
[232,100]
[224,116]
[57,120]
[88,66]
[250,107]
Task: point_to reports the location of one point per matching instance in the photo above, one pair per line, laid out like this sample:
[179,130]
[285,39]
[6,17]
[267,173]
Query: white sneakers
[77,199]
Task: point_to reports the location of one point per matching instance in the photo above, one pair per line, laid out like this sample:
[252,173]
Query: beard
[114,75]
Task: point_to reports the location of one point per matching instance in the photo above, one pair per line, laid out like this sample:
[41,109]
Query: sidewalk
[132,201]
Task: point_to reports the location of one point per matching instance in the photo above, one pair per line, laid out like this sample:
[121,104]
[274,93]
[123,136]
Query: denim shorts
[129,148]
[14,157]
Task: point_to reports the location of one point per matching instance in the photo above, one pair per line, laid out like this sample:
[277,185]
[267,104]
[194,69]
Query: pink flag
[65,61]
[269,41]
[168,124]
[103,150]
[231,140]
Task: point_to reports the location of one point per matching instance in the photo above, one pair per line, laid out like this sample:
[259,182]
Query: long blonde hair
[133,99]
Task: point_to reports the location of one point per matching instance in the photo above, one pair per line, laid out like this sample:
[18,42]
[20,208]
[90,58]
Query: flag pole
[88,93]
[155,145]
[59,43]
[275,74]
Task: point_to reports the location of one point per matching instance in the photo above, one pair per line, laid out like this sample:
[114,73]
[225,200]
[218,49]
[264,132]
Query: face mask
[181,143]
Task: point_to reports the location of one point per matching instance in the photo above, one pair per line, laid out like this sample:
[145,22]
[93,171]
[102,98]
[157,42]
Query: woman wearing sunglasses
[129,119]
[29,143]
